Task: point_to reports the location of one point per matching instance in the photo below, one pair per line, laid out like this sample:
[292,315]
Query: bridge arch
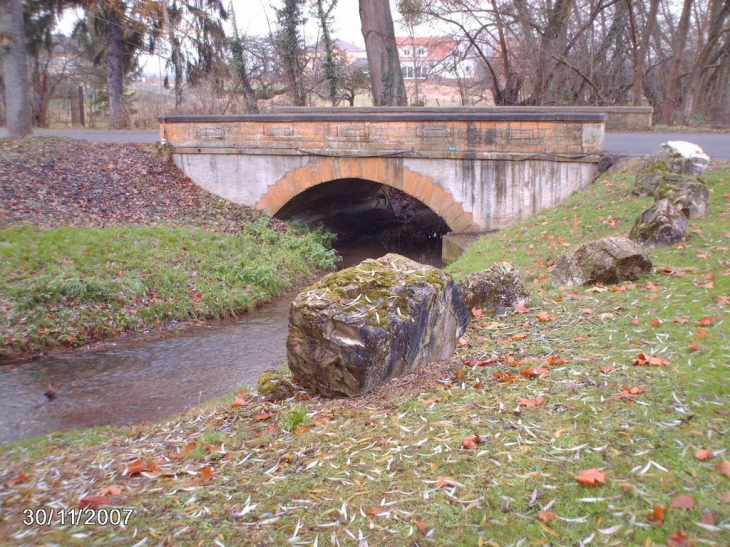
[388,171]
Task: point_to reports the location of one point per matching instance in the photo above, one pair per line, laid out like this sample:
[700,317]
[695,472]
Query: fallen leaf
[503,377]
[471,442]
[608,369]
[93,502]
[430,401]
[545,317]
[657,515]
[684,501]
[694,346]
[204,475]
[701,333]
[554,360]
[579,339]
[446,481]
[704,454]
[643,359]
[586,311]
[271,429]
[591,477]
[300,429]
[476,312]
[263,416]
[727,497]
[377,511]
[421,526]
[237,402]
[520,308]
[519,336]
[546,516]
[724,468]
[634,321]
[18,479]
[680,539]
[534,372]
[462,342]
[136,467]
[706,321]
[708,518]
[655,323]
[531,402]
[110,491]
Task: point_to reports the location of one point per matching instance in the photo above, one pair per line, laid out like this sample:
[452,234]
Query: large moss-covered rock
[358,328]
[682,157]
[495,290]
[661,224]
[609,260]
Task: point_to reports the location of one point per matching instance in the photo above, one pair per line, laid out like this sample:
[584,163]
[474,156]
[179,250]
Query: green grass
[73,286]
[392,469]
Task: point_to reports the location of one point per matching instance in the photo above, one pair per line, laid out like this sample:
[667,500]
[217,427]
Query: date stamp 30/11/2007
[102,516]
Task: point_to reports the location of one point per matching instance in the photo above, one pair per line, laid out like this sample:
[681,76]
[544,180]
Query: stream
[133,381]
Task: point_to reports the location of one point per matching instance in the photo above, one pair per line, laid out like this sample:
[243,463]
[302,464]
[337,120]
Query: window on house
[421,72]
[407,51]
[422,51]
[407,71]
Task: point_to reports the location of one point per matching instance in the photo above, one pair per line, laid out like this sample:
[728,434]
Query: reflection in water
[136,381]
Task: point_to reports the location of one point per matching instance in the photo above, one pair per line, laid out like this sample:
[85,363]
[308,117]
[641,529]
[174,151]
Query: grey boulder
[495,290]
[357,328]
[662,224]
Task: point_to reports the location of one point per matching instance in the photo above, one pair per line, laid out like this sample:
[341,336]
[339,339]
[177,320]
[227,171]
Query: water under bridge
[477,170]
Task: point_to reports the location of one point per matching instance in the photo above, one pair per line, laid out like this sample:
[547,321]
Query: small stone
[275,385]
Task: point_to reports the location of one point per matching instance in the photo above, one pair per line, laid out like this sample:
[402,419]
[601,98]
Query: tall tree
[329,59]
[385,72]
[680,39]
[15,72]
[291,48]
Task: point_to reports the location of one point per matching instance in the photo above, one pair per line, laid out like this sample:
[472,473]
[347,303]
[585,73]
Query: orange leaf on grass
[446,481]
[377,511]
[138,466]
[643,359]
[263,416]
[684,501]
[634,320]
[93,502]
[204,475]
[724,468]
[656,517]
[520,308]
[421,526]
[476,312]
[655,323]
[534,372]
[608,369]
[704,454]
[237,402]
[554,360]
[706,321]
[708,518]
[531,402]
[591,477]
[18,479]
[504,378]
[462,342]
[546,516]
[271,429]
[110,491]
[301,429]
[545,317]
[519,336]
[701,333]
[471,442]
[680,539]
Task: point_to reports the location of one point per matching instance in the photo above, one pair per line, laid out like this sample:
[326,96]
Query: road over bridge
[479,172]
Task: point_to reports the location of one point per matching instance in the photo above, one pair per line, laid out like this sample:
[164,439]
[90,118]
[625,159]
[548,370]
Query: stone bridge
[478,171]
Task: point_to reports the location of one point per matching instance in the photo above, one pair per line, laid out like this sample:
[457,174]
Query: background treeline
[673,55]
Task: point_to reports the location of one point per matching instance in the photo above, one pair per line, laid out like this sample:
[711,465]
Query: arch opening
[370,218]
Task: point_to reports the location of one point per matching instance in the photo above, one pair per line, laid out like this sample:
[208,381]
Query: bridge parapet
[472,135]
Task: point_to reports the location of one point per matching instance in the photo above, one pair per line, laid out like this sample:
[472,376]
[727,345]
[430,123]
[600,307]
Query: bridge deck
[379,132]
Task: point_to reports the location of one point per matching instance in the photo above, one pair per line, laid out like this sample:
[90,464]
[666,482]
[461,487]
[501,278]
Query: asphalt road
[715,145]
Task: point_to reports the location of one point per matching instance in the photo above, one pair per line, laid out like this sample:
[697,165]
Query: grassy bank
[74,286]
[597,415]
[101,239]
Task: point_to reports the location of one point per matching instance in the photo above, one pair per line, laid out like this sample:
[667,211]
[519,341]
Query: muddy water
[141,381]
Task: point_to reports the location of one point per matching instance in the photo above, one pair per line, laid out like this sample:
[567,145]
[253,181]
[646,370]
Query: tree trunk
[175,57]
[385,73]
[118,118]
[680,38]
[641,49]
[15,71]
[549,46]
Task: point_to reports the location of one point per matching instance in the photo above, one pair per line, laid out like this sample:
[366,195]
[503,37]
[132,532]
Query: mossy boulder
[495,290]
[662,224]
[691,196]
[609,260]
[358,328]
[682,157]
